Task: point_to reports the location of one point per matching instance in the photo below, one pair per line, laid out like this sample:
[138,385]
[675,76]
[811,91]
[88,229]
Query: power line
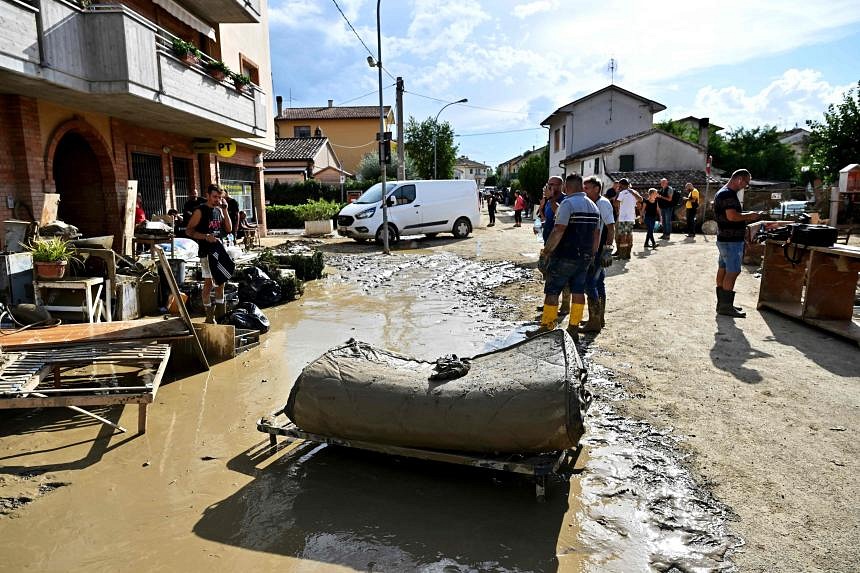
[467,105]
[498,132]
[348,23]
[365,95]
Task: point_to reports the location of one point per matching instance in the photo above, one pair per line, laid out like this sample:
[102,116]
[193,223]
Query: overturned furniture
[119,373]
[517,409]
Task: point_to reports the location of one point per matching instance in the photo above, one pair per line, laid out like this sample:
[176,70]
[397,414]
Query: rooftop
[295,148]
[333,112]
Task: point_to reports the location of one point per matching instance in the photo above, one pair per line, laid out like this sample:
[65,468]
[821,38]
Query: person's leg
[649,230]
[220,303]
[731,257]
[691,222]
[665,221]
[578,277]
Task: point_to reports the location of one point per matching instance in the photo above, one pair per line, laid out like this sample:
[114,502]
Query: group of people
[581,225]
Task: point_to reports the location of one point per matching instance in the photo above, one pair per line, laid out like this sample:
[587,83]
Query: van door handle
[417,205]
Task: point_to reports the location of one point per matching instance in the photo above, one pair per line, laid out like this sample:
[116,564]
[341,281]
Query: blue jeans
[666,219]
[649,227]
[731,255]
[562,272]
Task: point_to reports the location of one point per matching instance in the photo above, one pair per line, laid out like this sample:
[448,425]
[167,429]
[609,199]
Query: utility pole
[401,164]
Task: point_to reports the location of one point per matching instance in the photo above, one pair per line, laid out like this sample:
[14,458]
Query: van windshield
[374,194]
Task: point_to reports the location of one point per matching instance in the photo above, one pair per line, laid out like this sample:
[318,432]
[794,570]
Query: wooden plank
[831,286]
[128,200]
[183,311]
[781,281]
[218,340]
[63,401]
[88,413]
[51,202]
[66,334]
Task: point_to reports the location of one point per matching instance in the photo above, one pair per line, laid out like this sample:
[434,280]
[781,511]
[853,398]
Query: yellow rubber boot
[549,319]
[577,309]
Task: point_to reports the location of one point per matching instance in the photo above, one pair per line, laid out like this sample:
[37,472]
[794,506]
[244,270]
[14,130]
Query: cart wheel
[540,489]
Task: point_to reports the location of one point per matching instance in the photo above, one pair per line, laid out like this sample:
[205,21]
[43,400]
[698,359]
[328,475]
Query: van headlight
[366,214]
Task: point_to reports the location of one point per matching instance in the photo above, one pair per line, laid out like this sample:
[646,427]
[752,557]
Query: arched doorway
[79,181]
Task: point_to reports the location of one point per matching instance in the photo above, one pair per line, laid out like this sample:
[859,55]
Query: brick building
[95,95]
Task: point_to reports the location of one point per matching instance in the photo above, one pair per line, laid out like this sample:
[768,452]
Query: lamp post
[436,130]
[378,64]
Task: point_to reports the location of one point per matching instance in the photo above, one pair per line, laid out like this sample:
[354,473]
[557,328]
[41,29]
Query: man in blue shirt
[569,251]
[731,226]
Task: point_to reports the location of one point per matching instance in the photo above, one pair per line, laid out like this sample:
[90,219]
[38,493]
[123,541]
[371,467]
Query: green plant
[319,210]
[182,48]
[218,66]
[292,287]
[240,79]
[51,250]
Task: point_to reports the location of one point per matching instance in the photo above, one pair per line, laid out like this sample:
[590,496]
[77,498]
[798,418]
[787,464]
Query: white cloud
[529,9]
[792,98]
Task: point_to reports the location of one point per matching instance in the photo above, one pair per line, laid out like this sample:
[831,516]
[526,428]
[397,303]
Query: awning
[187,17]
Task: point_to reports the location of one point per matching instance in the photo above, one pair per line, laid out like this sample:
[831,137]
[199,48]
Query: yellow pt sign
[225,147]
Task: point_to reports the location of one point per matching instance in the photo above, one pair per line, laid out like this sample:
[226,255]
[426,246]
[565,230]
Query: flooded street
[202,489]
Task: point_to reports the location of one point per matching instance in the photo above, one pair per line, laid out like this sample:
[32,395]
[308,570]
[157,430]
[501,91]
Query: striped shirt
[581,217]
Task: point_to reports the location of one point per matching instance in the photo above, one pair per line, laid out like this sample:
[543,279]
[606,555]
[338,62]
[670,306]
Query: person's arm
[610,234]
[226,221]
[192,234]
[742,217]
[635,194]
[554,239]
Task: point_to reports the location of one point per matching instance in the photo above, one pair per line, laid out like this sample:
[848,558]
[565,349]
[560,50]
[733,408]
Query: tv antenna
[613,65]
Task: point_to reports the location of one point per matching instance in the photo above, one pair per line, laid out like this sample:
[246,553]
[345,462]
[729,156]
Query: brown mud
[201,489]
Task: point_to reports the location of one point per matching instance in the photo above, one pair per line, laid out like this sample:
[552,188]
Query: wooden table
[92,305]
[819,289]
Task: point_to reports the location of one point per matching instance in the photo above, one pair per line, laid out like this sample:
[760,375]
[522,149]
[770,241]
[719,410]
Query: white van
[414,207]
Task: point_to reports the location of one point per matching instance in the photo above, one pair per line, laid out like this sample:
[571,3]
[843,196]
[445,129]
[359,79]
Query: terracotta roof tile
[334,112]
[295,148]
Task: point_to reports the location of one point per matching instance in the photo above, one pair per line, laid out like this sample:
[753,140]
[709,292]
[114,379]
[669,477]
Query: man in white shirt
[595,288]
[626,199]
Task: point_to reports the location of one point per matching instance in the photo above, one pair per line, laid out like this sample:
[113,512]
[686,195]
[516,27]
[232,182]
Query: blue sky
[742,63]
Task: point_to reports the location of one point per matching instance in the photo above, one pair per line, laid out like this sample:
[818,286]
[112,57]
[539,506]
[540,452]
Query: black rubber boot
[726,306]
[720,290]
[602,311]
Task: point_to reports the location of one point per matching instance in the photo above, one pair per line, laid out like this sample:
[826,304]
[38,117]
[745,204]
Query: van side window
[404,195]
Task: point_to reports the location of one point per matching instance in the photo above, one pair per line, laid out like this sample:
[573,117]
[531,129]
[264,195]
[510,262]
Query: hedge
[294,216]
[300,193]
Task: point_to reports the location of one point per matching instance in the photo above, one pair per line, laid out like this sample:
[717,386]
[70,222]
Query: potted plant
[218,70]
[318,216]
[241,81]
[50,256]
[186,51]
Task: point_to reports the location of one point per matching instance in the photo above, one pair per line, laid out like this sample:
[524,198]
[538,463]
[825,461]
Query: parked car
[789,209]
[414,207]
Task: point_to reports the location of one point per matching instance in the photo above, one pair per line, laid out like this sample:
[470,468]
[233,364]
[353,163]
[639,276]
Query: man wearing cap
[731,226]
[569,251]
[627,199]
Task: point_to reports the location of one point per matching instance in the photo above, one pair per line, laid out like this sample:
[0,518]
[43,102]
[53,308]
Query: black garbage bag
[253,273]
[256,287]
[248,315]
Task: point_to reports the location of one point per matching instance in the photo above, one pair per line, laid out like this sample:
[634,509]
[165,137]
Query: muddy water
[201,488]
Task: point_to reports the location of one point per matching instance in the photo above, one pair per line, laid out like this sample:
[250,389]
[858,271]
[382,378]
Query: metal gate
[150,182]
[181,180]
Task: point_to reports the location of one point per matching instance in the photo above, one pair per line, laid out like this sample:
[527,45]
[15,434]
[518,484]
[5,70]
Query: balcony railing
[112,60]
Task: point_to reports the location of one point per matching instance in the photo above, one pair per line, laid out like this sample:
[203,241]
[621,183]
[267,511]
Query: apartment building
[100,98]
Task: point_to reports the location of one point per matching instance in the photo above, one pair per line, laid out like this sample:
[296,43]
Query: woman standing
[650,215]
[491,208]
[519,205]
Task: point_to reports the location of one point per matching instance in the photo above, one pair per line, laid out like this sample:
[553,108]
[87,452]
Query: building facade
[350,130]
[606,115]
[96,101]
[465,168]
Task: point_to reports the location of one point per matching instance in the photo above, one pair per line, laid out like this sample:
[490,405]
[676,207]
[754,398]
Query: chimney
[704,123]
[330,102]
[280,101]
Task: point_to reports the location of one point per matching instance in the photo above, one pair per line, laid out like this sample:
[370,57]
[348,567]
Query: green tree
[368,167]
[533,175]
[758,150]
[678,129]
[419,147]
[490,181]
[835,142]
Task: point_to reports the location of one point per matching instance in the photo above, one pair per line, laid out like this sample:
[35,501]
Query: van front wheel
[462,228]
[393,237]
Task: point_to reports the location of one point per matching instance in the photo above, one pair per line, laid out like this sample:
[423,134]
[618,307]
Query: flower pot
[50,270]
[217,74]
[189,59]
[324,227]
[240,87]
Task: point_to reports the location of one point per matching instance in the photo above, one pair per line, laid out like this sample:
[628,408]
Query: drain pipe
[40,34]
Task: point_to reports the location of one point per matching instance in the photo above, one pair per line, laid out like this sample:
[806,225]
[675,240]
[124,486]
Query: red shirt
[139,215]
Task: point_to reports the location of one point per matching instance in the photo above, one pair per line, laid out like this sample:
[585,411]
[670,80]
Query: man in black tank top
[207,226]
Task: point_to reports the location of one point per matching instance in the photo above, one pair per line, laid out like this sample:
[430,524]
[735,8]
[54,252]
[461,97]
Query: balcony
[225,11]
[111,60]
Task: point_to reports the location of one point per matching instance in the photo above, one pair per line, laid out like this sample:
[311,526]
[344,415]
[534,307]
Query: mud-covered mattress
[528,397]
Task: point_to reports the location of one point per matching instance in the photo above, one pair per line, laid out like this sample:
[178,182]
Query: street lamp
[378,64]
[436,129]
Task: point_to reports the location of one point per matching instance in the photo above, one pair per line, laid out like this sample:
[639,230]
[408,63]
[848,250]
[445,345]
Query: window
[563,136]
[404,195]
[302,131]
[597,166]
[626,163]
[556,136]
[582,167]
[250,69]
[150,182]
[471,171]
[239,182]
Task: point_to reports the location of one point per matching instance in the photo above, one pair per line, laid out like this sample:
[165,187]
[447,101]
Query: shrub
[319,210]
[300,193]
[283,217]
[51,250]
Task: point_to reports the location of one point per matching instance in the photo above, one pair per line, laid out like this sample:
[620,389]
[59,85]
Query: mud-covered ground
[712,444]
